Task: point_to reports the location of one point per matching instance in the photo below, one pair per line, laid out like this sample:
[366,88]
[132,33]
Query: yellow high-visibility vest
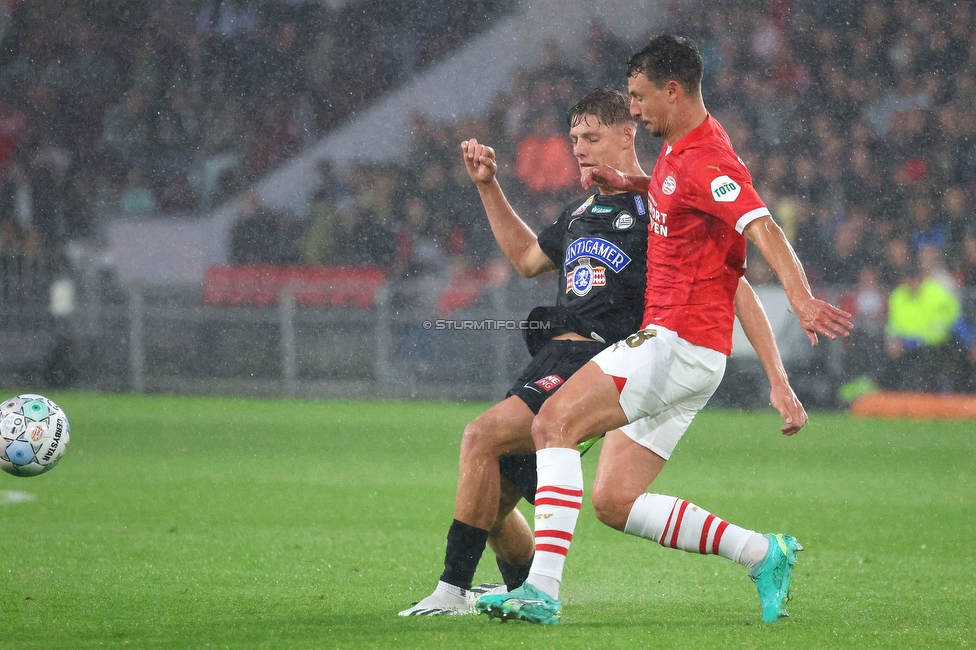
[928,314]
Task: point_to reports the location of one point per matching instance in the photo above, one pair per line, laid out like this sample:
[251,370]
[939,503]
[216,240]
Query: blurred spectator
[49,214]
[125,131]
[229,29]
[967,262]
[344,225]
[924,228]
[13,229]
[13,125]
[864,349]
[849,255]
[256,237]
[176,195]
[896,262]
[421,249]
[136,199]
[276,135]
[606,56]
[319,240]
[544,161]
[177,130]
[929,344]
[931,260]
[812,239]
[957,214]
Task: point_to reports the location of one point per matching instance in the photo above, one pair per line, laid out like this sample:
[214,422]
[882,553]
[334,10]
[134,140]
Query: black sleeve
[552,240]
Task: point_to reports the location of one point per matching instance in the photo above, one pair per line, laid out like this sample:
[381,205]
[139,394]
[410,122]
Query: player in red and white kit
[647,388]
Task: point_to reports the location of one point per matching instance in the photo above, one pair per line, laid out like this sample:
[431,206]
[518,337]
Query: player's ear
[630,134]
[675,90]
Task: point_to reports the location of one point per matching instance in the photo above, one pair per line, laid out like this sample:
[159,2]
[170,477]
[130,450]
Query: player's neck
[630,166]
[688,119]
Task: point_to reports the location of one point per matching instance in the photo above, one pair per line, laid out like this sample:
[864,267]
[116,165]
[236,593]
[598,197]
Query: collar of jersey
[695,135]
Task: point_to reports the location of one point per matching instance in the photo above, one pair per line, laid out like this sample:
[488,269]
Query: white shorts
[666,381]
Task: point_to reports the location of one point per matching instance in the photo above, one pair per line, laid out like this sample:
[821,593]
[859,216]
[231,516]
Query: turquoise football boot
[773,575]
[524,604]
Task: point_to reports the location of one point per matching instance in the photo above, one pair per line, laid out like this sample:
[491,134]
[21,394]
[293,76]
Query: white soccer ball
[34,433]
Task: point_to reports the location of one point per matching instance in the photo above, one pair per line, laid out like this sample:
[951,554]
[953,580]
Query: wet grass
[177,522]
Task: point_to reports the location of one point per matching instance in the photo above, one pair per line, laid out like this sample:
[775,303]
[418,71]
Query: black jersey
[600,248]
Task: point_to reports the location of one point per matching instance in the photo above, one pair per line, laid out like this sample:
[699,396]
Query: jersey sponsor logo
[659,222]
[580,210]
[584,277]
[549,383]
[669,185]
[725,190]
[607,252]
[623,221]
[601,209]
[639,202]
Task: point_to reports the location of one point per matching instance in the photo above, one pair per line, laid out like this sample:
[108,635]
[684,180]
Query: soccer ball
[34,433]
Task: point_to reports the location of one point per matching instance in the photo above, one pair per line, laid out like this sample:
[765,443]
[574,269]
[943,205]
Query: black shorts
[549,370]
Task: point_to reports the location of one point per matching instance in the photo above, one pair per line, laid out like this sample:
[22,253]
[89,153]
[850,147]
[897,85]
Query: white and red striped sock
[676,523]
[557,505]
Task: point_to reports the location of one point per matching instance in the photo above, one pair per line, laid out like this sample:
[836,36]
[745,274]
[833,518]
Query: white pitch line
[13,496]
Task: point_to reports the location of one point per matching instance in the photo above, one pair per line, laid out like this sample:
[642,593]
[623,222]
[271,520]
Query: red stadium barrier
[312,286]
[915,406]
[463,290]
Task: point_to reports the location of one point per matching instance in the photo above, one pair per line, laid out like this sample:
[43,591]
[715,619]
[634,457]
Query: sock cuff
[556,456]
[559,466]
[465,546]
[463,533]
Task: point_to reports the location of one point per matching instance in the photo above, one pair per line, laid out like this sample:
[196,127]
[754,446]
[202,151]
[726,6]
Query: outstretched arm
[609,178]
[752,316]
[816,316]
[515,238]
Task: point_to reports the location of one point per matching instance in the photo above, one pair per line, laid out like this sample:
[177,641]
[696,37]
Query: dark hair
[607,105]
[667,57]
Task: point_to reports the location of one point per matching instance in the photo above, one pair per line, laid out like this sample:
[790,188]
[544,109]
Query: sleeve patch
[725,190]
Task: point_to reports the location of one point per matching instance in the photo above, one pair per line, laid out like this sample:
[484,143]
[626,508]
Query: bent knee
[549,427]
[612,509]
[476,439]
[490,435]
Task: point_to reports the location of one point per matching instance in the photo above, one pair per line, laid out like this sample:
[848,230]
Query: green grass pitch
[190,522]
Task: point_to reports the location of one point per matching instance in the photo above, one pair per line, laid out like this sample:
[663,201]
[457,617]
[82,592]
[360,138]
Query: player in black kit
[598,248]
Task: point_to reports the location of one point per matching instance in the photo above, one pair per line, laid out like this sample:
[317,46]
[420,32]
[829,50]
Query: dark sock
[513,574]
[465,545]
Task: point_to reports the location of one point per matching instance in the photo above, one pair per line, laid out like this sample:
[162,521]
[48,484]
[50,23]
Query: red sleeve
[722,187]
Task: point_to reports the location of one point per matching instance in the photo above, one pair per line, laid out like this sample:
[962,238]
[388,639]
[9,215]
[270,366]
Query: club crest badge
[584,277]
[623,221]
[669,185]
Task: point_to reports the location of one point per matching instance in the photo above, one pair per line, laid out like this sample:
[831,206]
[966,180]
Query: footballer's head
[601,128]
[660,76]
[669,58]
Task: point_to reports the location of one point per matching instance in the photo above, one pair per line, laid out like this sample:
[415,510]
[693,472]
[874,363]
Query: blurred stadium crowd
[857,120]
[136,108]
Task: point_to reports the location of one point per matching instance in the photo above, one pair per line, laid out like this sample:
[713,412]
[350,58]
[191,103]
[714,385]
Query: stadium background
[265,197]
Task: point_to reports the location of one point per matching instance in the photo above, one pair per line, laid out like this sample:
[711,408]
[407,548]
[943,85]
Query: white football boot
[448,600]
